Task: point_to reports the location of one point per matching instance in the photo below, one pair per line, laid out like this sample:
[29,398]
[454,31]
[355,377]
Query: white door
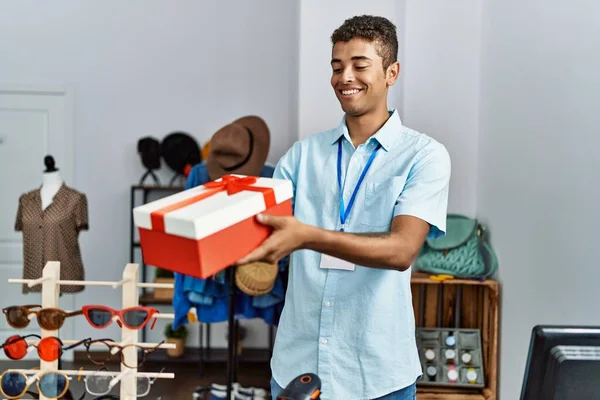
[34,122]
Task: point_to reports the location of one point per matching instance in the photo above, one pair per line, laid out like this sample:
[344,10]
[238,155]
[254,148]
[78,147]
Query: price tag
[329,262]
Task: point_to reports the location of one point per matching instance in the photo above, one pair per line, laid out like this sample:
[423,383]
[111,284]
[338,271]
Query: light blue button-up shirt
[355,329]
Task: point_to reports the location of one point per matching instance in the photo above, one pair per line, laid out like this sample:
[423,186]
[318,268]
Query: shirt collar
[386,136]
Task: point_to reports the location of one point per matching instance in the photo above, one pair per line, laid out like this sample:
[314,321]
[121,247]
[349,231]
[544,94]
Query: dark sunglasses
[48,318]
[132,318]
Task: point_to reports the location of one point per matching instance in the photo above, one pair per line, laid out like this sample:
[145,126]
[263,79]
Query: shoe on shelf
[255,393]
[200,392]
[220,395]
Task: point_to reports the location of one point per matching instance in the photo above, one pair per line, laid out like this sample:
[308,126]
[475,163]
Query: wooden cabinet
[434,303]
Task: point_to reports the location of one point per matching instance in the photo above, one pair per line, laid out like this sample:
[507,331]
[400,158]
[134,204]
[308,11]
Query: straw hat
[256,278]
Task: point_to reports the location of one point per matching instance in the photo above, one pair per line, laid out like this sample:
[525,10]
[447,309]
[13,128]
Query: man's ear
[392,73]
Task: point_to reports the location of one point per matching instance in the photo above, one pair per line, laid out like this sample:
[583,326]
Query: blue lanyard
[344,213]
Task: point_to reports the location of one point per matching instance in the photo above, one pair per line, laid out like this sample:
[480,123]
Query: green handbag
[463,252]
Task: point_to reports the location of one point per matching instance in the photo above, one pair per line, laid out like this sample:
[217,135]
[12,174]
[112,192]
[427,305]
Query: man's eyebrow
[334,60]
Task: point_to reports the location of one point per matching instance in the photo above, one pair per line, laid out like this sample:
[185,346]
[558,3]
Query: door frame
[67,171]
[67,91]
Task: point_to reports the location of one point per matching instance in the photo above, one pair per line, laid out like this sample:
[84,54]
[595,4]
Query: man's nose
[347,76]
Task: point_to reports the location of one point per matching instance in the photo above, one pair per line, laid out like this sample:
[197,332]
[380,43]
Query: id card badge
[329,262]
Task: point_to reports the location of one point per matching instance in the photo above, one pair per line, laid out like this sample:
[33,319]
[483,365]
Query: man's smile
[346,93]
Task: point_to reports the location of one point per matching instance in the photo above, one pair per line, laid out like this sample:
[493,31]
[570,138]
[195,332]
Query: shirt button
[324,341]
[327,304]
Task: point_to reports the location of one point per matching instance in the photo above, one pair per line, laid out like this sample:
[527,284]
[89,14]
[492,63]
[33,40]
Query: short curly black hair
[374,29]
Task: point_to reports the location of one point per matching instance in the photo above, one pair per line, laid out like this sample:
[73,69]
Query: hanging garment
[52,235]
[210,296]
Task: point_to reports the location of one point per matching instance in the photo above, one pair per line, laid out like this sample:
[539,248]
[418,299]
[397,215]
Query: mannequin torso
[52,181]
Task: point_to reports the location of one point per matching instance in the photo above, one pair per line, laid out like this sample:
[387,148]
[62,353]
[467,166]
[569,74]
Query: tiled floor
[181,388]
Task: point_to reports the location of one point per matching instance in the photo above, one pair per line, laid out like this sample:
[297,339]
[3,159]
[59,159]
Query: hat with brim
[180,149]
[240,147]
[256,278]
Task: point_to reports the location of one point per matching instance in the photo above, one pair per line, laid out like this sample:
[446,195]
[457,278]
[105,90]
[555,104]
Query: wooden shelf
[418,277]
[158,188]
[149,299]
[193,355]
[449,396]
[479,310]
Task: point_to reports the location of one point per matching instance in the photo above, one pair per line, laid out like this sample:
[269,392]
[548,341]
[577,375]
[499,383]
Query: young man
[366,195]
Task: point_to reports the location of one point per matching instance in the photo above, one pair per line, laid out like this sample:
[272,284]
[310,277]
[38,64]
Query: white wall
[319,109]
[441,85]
[148,68]
[538,181]
[438,88]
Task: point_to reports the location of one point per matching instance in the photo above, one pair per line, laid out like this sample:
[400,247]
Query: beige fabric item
[52,235]
[257,278]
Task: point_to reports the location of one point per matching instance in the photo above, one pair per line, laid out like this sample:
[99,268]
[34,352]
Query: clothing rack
[232,342]
[127,376]
[232,359]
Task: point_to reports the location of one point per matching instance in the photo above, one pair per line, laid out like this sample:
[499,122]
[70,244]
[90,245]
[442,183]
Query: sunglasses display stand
[51,282]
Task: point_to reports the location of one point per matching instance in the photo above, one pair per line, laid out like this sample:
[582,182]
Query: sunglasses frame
[121,314]
[38,380]
[85,380]
[28,310]
[145,351]
[18,338]
[150,383]
[11,340]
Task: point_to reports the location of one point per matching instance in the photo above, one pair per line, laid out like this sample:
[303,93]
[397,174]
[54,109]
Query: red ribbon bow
[233,184]
[230,183]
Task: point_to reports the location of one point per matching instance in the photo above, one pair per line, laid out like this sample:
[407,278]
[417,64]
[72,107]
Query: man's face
[358,78]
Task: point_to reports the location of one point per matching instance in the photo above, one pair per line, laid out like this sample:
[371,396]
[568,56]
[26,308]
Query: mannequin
[51,218]
[51,182]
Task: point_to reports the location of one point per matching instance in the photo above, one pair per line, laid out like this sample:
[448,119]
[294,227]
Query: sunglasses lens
[99,317]
[135,318]
[13,384]
[15,347]
[50,319]
[49,349]
[53,385]
[98,385]
[17,317]
[99,353]
[143,386]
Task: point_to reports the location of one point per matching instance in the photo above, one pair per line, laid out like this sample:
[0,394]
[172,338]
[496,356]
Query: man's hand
[394,249]
[288,235]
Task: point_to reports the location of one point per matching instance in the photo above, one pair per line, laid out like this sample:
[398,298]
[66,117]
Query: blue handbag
[463,252]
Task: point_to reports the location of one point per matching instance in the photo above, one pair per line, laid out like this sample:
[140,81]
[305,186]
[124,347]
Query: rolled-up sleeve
[425,193]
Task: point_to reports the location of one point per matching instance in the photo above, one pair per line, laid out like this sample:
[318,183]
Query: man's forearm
[374,249]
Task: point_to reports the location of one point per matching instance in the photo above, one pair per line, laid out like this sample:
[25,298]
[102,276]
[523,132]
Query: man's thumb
[268,220]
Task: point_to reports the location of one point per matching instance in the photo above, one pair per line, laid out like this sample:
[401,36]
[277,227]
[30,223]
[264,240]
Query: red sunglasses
[49,348]
[133,317]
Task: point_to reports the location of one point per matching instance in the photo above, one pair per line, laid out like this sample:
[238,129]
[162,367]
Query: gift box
[203,230]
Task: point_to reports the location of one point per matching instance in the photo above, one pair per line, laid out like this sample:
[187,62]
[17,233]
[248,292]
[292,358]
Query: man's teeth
[353,91]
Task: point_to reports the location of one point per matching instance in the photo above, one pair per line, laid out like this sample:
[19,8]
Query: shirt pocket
[380,200]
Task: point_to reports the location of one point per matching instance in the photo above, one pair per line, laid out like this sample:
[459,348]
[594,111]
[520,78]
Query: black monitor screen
[563,363]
